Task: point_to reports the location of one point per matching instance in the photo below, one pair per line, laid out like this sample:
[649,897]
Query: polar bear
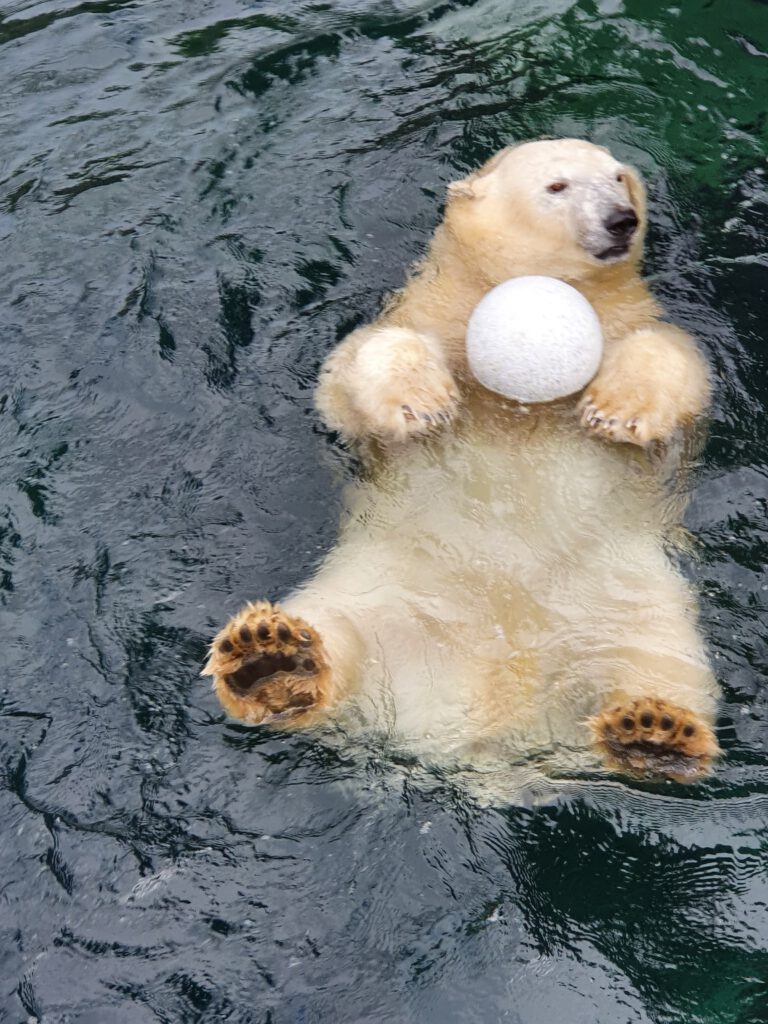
[502,583]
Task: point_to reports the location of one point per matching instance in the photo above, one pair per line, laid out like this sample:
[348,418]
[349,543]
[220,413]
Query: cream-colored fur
[501,584]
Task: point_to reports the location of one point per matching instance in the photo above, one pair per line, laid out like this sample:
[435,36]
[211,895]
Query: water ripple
[194,207]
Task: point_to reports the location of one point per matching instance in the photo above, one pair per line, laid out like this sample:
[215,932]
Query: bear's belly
[499,578]
[516,505]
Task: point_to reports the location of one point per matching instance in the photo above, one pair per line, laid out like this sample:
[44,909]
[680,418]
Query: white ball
[534,339]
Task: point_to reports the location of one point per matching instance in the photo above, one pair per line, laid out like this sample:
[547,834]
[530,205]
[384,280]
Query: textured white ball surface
[534,339]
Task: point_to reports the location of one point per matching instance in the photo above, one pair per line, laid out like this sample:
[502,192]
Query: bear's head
[564,208]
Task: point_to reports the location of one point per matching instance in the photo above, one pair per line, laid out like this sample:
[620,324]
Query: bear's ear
[467,187]
[461,189]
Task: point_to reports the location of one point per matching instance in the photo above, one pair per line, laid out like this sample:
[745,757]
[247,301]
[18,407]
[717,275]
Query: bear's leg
[387,382]
[269,665]
[658,693]
[652,736]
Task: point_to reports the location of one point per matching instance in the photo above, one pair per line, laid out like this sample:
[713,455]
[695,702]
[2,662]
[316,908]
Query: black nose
[622,222]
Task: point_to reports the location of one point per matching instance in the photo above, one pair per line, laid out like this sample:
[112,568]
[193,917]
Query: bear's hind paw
[268,666]
[654,737]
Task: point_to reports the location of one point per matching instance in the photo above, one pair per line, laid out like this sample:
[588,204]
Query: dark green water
[197,201]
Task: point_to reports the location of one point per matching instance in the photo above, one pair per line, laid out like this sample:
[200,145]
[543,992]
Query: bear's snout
[621,223]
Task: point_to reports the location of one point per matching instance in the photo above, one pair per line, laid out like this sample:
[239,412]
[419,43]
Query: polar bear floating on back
[501,585]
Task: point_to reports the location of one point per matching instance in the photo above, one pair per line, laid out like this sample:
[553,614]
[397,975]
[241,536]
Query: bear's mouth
[614,252]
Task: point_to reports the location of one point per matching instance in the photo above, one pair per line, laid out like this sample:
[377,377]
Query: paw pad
[652,736]
[267,665]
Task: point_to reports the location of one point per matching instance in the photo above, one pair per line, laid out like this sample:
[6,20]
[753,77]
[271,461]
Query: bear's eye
[557,186]
[619,177]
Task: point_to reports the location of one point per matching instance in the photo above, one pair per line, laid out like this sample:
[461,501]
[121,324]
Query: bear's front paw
[268,666]
[627,414]
[402,386]
[653,737]
[650,384]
